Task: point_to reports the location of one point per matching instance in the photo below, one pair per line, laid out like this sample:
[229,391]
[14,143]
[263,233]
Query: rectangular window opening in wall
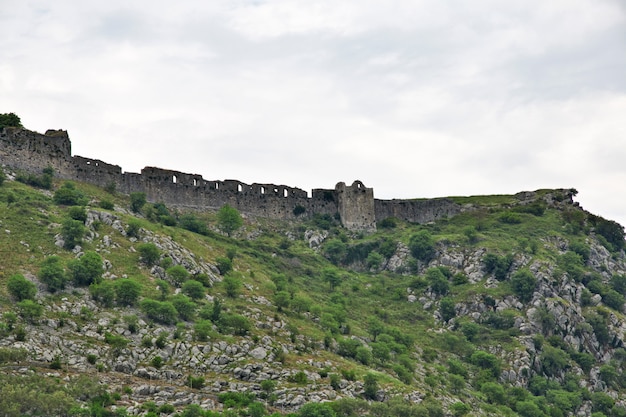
[195,182]
[285,193]
[174,179]
[262,190]
[239,188]
[217,186]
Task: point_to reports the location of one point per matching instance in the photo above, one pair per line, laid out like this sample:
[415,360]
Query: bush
[160,311]
[78,213]
[72,232]
[202,330]
[232,285]
[104,293]
[127,291]
[178,274]
[228,219]
[370,386]
[185,307]
[335,251]
[486,361]
[614,300]
[30,310]
[316,410]
[438,281]
[52,273]
[498,265]
[107,205]
[193,289]
[422,246]
[446,309]
[87,269]
[224,265]
[235,324]
[21,288]
[44,181]
[553,360]
[149,254]
[298,210]
[193,224]
[523,283]
[137,201]
[133,229]
[68,195]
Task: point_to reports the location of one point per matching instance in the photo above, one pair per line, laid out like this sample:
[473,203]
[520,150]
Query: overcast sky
[414,98]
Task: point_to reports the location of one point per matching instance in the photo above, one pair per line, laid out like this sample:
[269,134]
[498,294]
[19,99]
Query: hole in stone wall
[174,179]
[239,188]
[217,186]
[285,193]
[97,164]
[195,182]
[262,190]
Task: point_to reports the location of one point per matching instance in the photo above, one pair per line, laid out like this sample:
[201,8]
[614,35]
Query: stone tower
[356,206]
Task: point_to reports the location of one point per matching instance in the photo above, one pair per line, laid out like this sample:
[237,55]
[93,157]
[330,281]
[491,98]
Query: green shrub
[335,250]
[137,201]
[87,269]
[486,361]
[389,223]
[510,218]
[72,232]
[104,293]
[52,273]
[224,265]
[78,213]
[193,289]
[232,285]
[127,291]
[160,311]
[235,324]
[228,219]
[149,253]
[422,246]
[68,195]
[133,229]
[498,265]
[185,307]
[30,310]
[553,360]
[193,224]
[202,330]
[523,283]
[107,205]
[447,309]
[370,386]
[613,299]
[178,274]
[21,288]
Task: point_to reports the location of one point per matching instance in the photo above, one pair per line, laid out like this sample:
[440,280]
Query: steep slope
[514,306]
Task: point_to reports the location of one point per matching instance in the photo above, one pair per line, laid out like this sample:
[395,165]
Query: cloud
[415,98]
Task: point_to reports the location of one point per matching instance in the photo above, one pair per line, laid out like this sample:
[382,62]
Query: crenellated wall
[358,210]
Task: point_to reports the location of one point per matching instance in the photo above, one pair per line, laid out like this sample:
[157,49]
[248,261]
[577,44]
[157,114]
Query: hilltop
[113,305]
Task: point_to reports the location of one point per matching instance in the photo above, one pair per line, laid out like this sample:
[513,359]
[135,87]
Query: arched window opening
[285,193]
[239,188]
[174,179]
[262,190]
[195,182]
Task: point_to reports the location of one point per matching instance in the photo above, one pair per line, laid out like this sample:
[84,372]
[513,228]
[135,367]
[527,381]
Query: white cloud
[426,98]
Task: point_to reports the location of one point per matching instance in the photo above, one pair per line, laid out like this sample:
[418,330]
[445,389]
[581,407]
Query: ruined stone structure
[355,204]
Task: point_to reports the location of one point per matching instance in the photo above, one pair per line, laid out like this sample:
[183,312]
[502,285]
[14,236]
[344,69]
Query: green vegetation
[447,320]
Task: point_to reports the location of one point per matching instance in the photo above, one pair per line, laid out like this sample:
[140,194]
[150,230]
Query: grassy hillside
[514,307]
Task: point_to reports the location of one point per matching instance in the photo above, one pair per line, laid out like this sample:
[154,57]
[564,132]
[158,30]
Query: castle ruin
[355,204]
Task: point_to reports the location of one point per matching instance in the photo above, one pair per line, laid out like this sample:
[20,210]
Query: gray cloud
[417,99]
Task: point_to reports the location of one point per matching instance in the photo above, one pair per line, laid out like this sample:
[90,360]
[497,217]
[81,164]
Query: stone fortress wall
[357,208]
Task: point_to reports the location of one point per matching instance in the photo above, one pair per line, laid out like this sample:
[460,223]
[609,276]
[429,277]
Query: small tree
[370,386]
[10,120]
[87,269]
[52,273]
[30,310]
[228,219]
[68,195]
[232,285]
[422,246]
[193,289]
[331,276]
[178,274]
[21,288]
[149,254]
[523,283]
[72,232]
[137,201]
[127,291]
